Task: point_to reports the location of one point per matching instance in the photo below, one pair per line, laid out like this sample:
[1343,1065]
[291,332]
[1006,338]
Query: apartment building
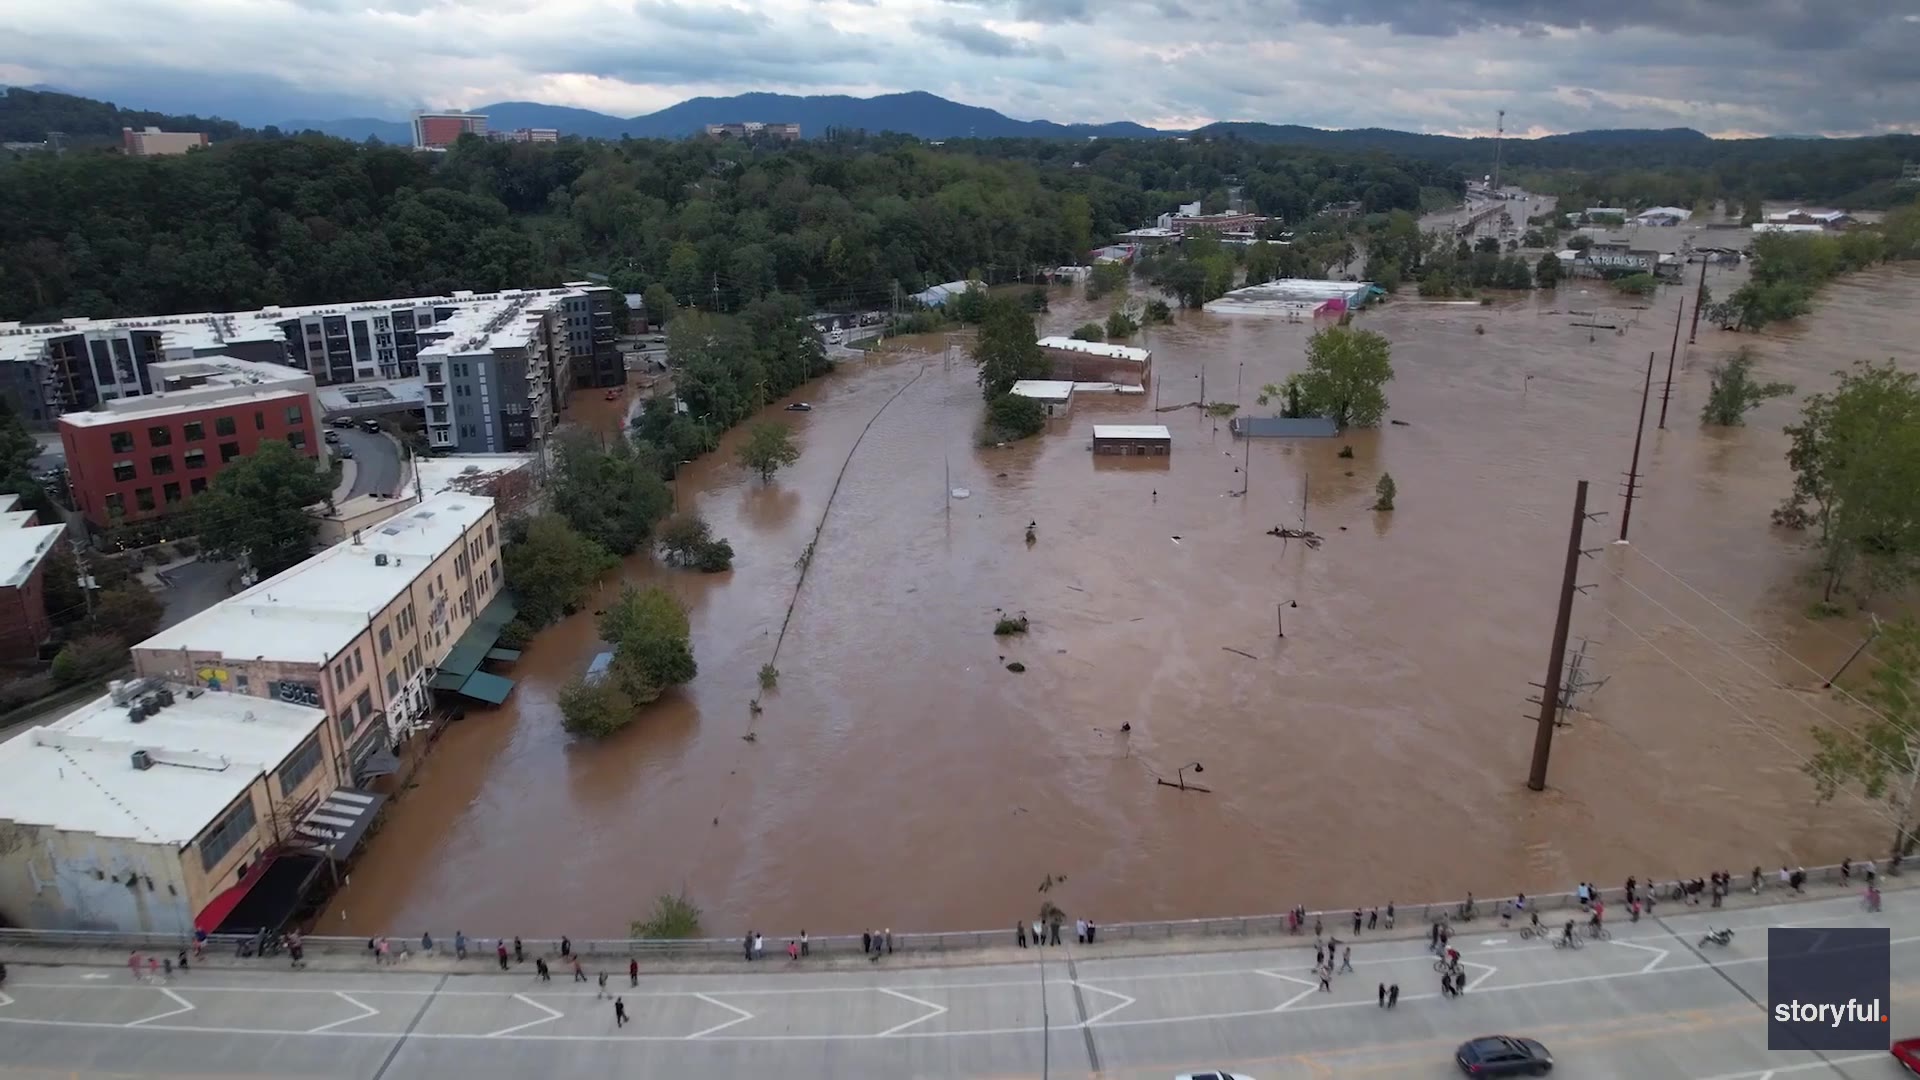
[151,141]
[362,631]
[24,547]
[47,369]
[440,130]
[495,376]
[158,807]
[526,135]
[132,459]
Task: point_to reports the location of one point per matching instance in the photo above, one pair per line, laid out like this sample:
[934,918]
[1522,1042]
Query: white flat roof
[15,519]
[310,612]
[443,473]
[1043,388]
[158,404]
[1130,431]
[8,501]
[22,549]
[77,773]
[1097,348]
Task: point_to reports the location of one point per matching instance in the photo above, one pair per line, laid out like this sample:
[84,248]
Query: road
[377,461]
[1647,1004]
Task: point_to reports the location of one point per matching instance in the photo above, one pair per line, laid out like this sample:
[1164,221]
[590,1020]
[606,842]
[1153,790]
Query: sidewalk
[835,954]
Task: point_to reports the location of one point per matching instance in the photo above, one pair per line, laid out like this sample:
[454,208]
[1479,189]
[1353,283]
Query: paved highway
[1648,1004]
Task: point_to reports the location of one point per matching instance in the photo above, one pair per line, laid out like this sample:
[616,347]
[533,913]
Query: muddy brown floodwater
[902,777]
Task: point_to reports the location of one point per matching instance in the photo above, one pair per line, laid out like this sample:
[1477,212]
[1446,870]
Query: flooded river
[901,776]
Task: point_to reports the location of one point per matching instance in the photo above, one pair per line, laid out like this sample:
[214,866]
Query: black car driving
[1503,1055]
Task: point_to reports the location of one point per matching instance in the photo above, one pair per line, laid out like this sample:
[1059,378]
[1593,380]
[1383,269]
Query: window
[227,833]
[393,686]
[143,498]
[195,430]
[170,493]
[259,420]
[297,440]
[122,442]
[195,459]
[229,451]
[364,704]
[115,504]
[299,765]
[123,470]
[496,570]
[223,425]
[489,537]
[160,464]
[386,641]
[345,725]
[159,436]
[339,676]
[293,414]
[197,485]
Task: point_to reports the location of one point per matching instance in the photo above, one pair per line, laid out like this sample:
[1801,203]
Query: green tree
[1010,417]
[550,567]
[683,536]
[767,448]
[673,917]
[659,304]
[128,613]
[1157,311]
[611,494]
[1733,393]
[1105,278]
[1879,755]
[18,447]
[1546,272]
[88,657]
[1636,285]
[1487,244]
[653,647]
[1384,491]
[1346,377]
[971,305]
[1089,332]
[1856,460]
[1121,325]
[1006,349]
[66,600]
[256,509]
[595,709]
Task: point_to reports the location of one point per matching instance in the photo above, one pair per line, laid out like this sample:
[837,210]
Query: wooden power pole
[1693,332]
[1666,392]
[1557,655]
[1633,470]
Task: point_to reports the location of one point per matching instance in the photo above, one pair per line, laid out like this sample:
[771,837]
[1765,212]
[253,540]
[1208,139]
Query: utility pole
[1667,391]
[1499,137]
[1693,333]
[716,292]
[80,565]
[1633,471]
[1557,653]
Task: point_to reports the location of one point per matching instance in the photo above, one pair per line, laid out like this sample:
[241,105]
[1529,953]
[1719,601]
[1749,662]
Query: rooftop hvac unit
[142,760]
[136,714]
[380,559]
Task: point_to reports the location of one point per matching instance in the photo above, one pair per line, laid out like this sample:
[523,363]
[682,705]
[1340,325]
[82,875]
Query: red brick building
[134,459]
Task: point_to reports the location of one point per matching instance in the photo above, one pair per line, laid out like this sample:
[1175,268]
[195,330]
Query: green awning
[491,689]
[447,680]
[503,654]
[474,645]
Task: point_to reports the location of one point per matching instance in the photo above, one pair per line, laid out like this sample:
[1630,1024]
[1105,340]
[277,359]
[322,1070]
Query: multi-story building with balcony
[440,130]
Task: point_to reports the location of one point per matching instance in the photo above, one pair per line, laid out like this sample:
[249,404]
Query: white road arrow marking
[185,1007]
[1311,987]
[366,1011]
[1124,1001]
[742,1017]
[5,1001]
[94,975]
[1658,954]
[923,1002]
[552,1015]
[1492,941]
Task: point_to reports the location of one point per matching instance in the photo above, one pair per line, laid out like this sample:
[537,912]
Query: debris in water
[1237,652]
[1312,538]
[1016,667]
[1399,423]
[1176,539]
[751,737]
[960,493]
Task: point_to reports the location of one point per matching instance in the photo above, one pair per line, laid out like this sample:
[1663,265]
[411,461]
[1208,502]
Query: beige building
[156,806]
[362,631]
[149,141]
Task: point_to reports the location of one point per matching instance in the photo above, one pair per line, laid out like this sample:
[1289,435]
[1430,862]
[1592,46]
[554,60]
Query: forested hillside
[719,224]
[27,116]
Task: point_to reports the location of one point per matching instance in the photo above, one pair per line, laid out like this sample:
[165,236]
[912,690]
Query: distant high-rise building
[750,128]
[150,141]
[440,130]
[529,135]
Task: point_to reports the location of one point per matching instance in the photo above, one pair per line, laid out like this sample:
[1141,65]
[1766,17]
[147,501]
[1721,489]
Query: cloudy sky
[1723,66]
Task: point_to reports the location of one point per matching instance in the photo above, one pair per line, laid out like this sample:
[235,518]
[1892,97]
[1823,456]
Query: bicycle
[1445,966]
[1528,933]
[1467,911]
[1564,942]
[1599,932]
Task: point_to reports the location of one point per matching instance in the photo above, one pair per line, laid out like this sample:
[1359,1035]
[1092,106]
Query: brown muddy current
[902,777]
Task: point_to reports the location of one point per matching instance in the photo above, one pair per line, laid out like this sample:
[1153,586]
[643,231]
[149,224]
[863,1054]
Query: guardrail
[483,949]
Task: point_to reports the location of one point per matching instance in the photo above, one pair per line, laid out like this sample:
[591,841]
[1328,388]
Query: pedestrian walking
[183,961]
[1020,933]
[1446,984]
[866,941]
[1446,936]
[385,952]
[166,967]
[199,942]
[1080,931]
[459,944]
[1346,960]
[1356,922]
[153,968]
[426,943]
[519,954]
[1316,926]
[1389,920]
[1393,995]
[1052,939]
[633,972]
[296,950]
[793,951]
[1039,935]
[1056,934]
[1092,931]
[1383,995]
[759,946]
[805,948]
[566,947]
[540,969]
[1373,919]
[500,950]
[603,985]
[1326,979]
[1319,954]
[619,1013]
[1433,938]
[746,946]
[1459,981]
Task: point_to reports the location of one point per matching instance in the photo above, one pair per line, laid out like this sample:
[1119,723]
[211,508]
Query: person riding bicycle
[1536,920]
[1566,932]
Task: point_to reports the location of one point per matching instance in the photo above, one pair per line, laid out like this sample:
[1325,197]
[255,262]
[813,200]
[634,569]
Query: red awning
[221,906]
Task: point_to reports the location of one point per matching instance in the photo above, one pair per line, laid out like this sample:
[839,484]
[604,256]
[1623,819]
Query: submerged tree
[1346,378]
[1383,492]
[1733,392]
[1882,756]
[768,448]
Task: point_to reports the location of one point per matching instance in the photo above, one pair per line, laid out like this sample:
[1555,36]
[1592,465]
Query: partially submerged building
[1297,297]
[1151,440]
[1284,427]
[1055,395]
[1074,360]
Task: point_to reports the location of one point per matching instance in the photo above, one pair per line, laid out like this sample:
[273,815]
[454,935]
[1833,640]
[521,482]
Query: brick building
[133,459]
[440,130]
[1074,360]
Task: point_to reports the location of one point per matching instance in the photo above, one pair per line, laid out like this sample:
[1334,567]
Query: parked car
[345,452]
[371,427]
[799,406]
[1503,1055]
[342,421]
[331,436]
[1907,1053]
[597,671]
[1213,1076]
